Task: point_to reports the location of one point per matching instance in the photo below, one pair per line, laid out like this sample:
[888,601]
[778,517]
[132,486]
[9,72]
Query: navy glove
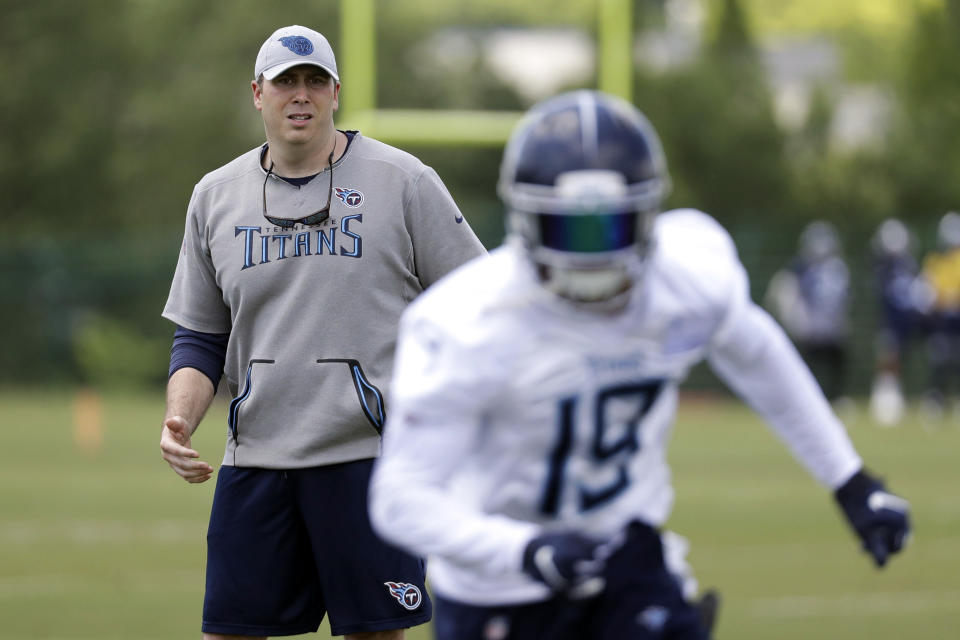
[880,518]
[568,563]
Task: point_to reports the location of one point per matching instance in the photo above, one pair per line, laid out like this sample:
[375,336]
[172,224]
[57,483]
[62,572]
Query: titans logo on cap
[408,595]
[298,44]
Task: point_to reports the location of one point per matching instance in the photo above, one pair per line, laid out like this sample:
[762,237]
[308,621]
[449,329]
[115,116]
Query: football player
[535,390]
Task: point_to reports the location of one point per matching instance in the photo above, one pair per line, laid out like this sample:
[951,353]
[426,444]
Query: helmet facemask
[590,248]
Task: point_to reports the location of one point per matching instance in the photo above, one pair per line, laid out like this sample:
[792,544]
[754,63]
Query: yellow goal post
[442,127]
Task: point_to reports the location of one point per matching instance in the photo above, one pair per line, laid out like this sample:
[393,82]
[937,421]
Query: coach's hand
[568,563]
[880,518]
[176,450]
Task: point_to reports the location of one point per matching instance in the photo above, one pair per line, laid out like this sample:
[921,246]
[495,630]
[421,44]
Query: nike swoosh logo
[459,219]
[883,500]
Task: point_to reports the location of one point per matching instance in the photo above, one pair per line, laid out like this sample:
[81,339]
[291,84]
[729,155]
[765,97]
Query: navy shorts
[285,547]
[642,601]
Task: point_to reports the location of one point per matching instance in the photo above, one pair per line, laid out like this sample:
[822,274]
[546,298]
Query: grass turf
[104,541]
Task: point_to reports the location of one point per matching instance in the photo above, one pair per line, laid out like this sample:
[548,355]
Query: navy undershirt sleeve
[206,352]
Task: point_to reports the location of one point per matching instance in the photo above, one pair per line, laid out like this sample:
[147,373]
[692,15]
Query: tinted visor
[588,233]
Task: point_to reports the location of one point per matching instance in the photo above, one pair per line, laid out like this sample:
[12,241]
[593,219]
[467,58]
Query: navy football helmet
[948,231]
[892,239]
[582,176]
[819,241]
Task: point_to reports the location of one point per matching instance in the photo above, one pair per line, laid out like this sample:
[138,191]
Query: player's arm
[433,427]
[754,357]
[196,364]
[412,507]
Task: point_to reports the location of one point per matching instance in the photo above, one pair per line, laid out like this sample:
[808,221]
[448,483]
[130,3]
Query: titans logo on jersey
[350,197]
[408,595]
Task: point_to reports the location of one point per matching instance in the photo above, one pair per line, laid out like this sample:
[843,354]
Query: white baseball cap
[291,46]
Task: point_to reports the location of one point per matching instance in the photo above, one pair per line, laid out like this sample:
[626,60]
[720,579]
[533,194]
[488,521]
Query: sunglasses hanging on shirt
[315,218]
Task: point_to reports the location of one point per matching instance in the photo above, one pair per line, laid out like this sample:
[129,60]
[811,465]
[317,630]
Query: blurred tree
[925,159]
[123,106]
[849,188]
[732,38]
[61,61]
[725,151]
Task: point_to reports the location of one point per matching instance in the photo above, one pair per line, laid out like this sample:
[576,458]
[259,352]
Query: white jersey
[512,411]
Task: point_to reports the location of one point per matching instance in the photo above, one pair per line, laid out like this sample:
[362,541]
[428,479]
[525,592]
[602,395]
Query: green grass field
[109,543]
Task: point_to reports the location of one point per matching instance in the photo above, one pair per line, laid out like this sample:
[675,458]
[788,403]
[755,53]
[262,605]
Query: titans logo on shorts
[408,595]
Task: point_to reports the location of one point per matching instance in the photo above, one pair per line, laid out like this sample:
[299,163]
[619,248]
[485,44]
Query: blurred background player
[811,299]
[298,258]
[535,390]
[940,275]
[895,268]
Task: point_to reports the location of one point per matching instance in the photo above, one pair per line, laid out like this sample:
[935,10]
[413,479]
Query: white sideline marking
[92,532]
[896,602]
[40,586]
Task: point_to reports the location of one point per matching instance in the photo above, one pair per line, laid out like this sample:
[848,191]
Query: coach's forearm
[189,394]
